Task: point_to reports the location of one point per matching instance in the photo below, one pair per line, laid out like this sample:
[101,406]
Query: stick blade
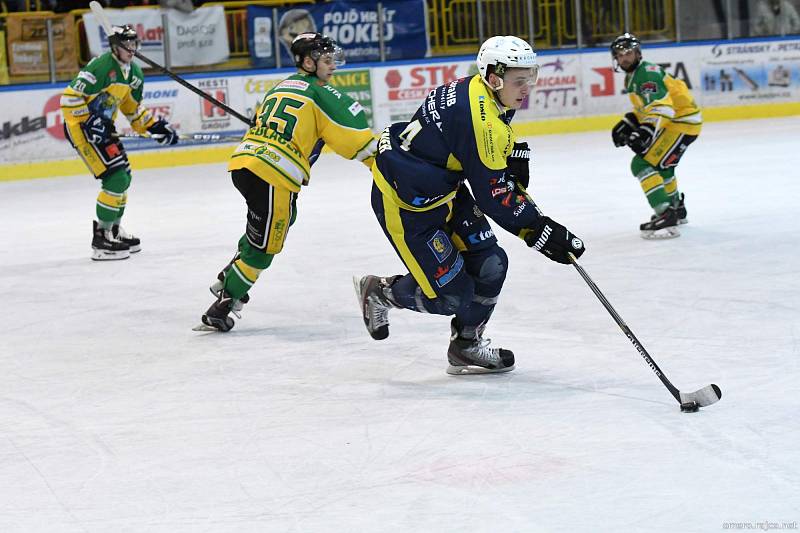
[97,9]
[708,395]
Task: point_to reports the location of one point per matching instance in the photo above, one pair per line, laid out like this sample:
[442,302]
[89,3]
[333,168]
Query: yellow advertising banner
[27,44]
[3,63]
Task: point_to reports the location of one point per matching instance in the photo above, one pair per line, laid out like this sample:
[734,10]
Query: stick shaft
[625,329]
[98,11]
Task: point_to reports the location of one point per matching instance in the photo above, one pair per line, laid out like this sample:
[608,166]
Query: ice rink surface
[117,417]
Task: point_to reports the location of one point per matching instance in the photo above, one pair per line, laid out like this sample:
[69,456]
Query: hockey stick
[97,9]
[691,401]
[199,137]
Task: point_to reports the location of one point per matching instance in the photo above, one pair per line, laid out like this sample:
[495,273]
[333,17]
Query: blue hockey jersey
[460,133]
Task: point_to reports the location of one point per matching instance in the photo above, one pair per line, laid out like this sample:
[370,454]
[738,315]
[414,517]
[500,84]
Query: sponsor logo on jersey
[448,275]
[498,191]
[88,76]
[440,245]
[423,200]
[293,84]
[481,236]
[355,108]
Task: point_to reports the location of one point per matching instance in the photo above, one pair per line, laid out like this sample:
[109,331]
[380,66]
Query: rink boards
[576,91]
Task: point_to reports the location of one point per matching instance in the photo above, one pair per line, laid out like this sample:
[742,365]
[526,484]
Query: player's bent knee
[494,267]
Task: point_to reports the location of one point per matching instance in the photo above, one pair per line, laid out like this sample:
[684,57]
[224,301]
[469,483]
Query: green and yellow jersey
[662,100]
[293,121]
[104,87]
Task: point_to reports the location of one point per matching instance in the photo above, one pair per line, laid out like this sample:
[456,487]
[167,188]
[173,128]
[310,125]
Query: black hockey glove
[518,164]
[98,130]
[554,240]
[163,133]
[640,139]
[623,130]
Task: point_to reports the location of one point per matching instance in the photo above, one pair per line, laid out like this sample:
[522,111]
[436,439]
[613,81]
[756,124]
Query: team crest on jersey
[112,76]
[649,87]
[440,245]
[293,84]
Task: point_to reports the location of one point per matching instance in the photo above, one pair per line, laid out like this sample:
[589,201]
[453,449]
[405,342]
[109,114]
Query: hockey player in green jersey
[295,119]
[664,122]
[110,83]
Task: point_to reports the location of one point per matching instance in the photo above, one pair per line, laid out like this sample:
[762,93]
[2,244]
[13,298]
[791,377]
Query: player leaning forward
[664,122]
[110,83]
[434,179]
[295,119]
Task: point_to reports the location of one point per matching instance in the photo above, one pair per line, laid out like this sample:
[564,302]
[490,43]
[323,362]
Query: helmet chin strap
[303,66]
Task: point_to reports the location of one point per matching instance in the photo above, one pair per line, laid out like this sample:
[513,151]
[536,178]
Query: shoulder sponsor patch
[293,84]
[440,245]
[653,68]
[88,76]
[355,108]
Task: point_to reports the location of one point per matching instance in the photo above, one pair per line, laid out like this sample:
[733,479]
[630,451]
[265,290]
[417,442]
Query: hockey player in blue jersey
[437,224]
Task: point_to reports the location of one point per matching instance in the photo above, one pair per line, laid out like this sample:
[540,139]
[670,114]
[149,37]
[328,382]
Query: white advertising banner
[571,85]
[398,91]
[196,38]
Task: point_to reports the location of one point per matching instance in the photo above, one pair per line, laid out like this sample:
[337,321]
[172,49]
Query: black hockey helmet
[124,36]
[315,45]
[625,42]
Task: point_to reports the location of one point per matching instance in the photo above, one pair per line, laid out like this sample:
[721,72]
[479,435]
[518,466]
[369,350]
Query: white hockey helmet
[506,51]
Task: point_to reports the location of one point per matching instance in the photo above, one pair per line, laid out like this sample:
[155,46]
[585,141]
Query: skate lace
[379,313]
[109,235]
[481,352]
[122,234]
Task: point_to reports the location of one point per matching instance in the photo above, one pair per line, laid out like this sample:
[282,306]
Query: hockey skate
[216,318]
[217,287]
[134,244]
[371,292]
[663,226]
[680,208]
[472,355]
[106,247]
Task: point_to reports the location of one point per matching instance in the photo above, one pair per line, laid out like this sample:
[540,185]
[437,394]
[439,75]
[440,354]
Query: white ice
[117,417]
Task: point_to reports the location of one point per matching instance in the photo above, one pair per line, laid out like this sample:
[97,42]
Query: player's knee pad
[254,257]
[488,268]
[640,166]
[117,181]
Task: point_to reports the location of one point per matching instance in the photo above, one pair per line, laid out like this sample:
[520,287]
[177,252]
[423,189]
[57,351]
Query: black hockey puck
[690,407]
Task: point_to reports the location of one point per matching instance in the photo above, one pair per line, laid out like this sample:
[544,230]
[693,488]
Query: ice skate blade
[135,248]
[683,221]
[459,370]
[660,234]
[106,255]
[203,327]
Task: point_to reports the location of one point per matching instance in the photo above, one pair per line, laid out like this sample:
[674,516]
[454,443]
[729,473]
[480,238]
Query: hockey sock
[112,198]
[245,271]
[652,184]
[671,185]
[123,203]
